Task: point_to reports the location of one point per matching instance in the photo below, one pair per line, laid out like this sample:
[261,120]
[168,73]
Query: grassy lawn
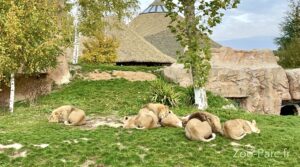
[71,146]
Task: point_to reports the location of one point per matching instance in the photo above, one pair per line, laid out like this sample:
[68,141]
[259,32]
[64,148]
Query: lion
[144,120]
[238,128]
[199,131]
[69,115]
[160,110]
[171,120]
[213,120]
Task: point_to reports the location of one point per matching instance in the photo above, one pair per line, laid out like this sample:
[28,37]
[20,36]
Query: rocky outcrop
[30,87]
[252,77]
[178,74]
[61,74]
[27,87]
[294,83]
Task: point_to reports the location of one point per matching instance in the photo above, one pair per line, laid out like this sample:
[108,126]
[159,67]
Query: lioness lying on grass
[212,119]
[69,115]
[198,130]
[171,120]
[160,110]
[145,119]
[153,115]
[238,128]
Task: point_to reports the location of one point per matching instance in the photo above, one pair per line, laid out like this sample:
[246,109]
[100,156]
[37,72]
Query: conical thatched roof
[134,48]
[153,26]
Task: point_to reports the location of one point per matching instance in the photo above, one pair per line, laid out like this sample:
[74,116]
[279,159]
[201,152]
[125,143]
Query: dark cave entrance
[290,109]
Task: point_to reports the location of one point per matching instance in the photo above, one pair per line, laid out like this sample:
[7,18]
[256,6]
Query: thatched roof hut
[134,49]
[152,24]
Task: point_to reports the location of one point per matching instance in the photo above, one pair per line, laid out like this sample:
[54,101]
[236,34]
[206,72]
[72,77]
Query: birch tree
[76,33]
[30,40]
[90,16]
[200,16]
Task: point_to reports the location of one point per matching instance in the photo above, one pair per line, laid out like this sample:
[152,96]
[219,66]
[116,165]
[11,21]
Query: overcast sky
[253,25]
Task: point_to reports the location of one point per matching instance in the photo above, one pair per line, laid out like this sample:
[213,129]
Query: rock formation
[30,87]
[294,83]
[252,77]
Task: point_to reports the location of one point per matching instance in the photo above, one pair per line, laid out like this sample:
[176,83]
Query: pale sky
[253,25]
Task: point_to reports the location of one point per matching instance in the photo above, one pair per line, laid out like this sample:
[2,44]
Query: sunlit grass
[118,147]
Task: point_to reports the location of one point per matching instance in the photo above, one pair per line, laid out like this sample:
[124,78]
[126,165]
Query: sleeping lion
[69,115]
[212,119]
[199,131]
[238,128]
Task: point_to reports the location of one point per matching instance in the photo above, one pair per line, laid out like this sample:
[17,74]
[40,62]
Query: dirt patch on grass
[16,146]
[21,154]
[88,163]
[41,145]
[134,76]
[95,76]
[128,75]
[110,121]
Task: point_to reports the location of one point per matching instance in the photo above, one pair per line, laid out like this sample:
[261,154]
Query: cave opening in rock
[289,110]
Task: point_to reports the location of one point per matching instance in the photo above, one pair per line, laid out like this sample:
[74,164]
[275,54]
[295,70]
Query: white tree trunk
[12,92]
[76,35]
[200,98]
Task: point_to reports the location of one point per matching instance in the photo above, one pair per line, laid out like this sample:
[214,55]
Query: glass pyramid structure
[156,7]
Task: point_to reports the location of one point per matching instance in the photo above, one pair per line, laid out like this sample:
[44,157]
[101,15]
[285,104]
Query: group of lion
[201,126]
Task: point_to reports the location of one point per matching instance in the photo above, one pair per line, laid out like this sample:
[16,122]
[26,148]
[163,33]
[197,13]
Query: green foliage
[30,39]
[290,27]
[289,42]
[164,93]
[289,56]
[192,31]
[94,13]
[100,49]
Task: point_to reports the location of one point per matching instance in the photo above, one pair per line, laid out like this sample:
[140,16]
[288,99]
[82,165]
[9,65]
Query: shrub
[190,95]
[164,93]
[289,55]
[100,49]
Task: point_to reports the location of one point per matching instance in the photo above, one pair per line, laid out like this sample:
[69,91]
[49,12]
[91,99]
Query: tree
[289,42]
[30,40]
[100,49]
[91,15]
[200,16]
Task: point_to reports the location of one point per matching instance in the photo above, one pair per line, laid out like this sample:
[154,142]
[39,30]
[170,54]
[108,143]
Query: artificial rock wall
[253,77]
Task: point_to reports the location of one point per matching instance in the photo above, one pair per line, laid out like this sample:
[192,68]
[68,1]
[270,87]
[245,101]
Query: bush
[162,92]
[289,55]
[101,49]
[190,95]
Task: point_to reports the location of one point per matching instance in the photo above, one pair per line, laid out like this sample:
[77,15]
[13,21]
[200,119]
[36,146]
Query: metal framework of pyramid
[156,7]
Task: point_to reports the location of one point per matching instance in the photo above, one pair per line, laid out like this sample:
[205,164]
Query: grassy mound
[71,146]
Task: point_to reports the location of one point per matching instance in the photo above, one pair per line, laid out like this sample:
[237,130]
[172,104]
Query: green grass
[119,147]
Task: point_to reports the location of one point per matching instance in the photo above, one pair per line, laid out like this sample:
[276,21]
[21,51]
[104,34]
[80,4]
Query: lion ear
[253,122]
